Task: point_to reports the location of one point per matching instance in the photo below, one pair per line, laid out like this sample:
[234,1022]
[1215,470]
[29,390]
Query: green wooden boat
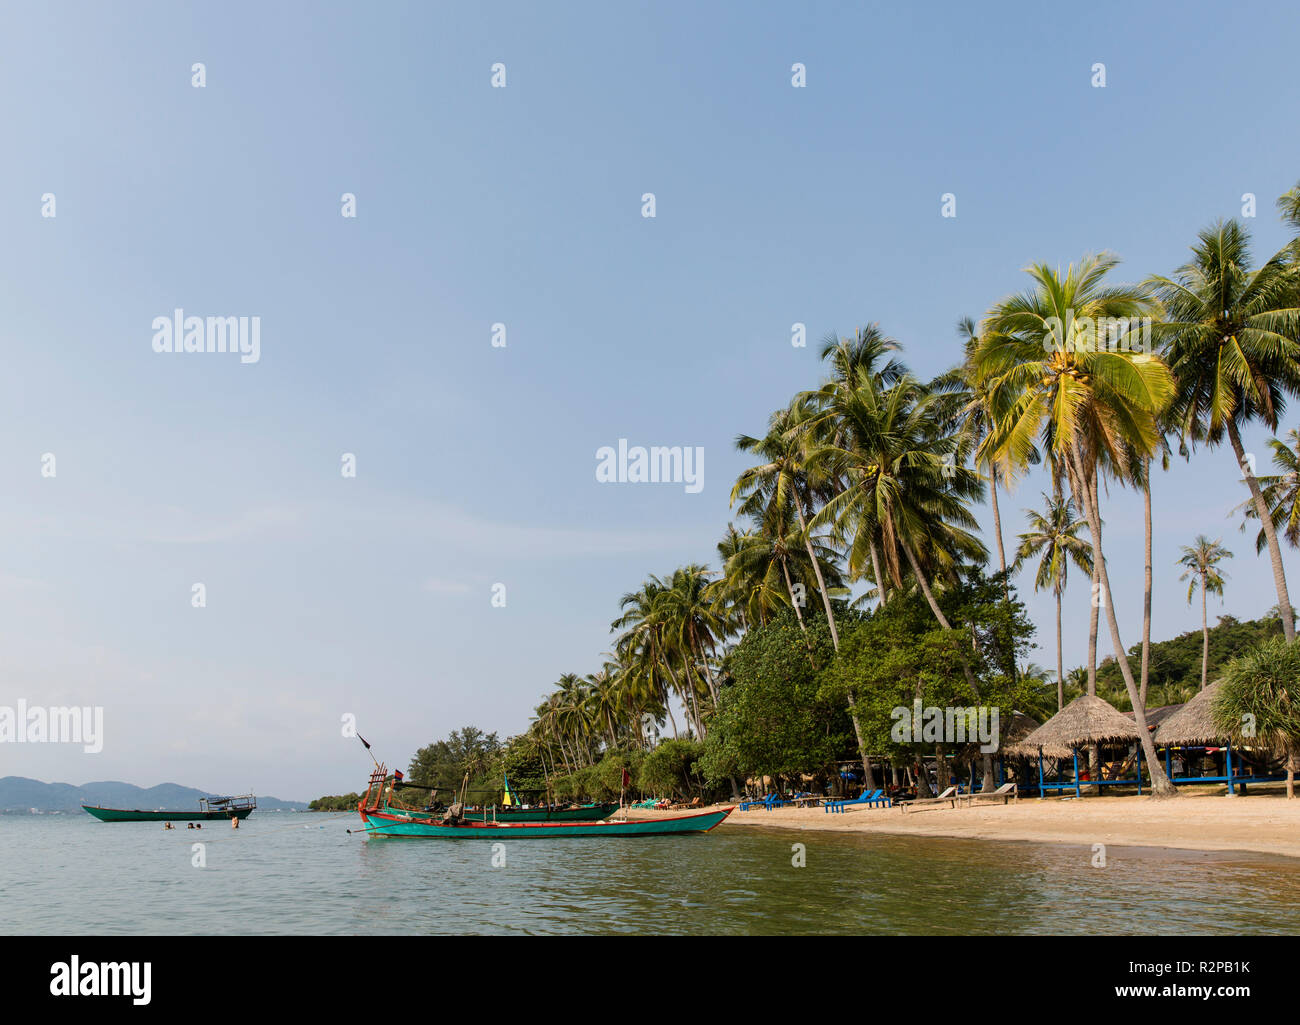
[383,818]
[388,822]
[583,813]
[209,808]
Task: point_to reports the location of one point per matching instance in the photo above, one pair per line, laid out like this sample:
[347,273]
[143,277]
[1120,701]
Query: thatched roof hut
[1193,723]
[1085,720]
[1015,730]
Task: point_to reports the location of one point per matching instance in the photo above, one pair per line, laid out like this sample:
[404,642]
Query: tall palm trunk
[882,591]
[1060,657]
[1205,635]
[1270,534]
[1094,623]
[685,693]
[867,778]
[1146,593]
[1160,785]
[708,673]
[1094,619]
[997,530]
[817,570]
[807,642]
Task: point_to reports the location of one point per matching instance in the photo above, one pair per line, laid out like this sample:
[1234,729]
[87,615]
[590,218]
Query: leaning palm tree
[1063,369]
[1232,333]
[1258,703]
[1202,561]
[1055,534]
[1281,492]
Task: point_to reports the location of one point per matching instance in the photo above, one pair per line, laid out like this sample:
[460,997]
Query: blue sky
[522,205]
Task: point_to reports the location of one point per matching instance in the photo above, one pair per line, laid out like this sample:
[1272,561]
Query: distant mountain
[19,794]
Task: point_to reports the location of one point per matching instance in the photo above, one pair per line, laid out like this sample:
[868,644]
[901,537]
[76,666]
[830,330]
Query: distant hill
[1176,663]
[20,794]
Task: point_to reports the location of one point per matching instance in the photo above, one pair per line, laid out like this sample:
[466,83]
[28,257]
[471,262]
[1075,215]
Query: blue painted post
[1041,791]
[1169,767]
[1139,768]
[1076,773]
[1231,789]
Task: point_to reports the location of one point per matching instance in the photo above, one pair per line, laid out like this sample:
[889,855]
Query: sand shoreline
[1262,823]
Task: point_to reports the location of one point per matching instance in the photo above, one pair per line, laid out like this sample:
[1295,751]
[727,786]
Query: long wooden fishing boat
[582,813]
[209,808]
[384,817]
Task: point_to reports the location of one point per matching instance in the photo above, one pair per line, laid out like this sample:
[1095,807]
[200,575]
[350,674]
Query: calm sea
[303,873]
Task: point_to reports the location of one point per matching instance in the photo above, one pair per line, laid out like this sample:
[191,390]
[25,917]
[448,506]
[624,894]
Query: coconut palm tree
[690,620]
[1202,561]
[1232,334]
[777,485]
[1054,533]
[1258,703]
[904,488]
[750,585]
[1281,492]
[1062,367]
[965,402]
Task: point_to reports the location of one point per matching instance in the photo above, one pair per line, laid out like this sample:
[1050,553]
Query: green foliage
[1175,674]
[1259,701]
[901,654]
[670,769]
[772,720]
[443,764]
[344,802]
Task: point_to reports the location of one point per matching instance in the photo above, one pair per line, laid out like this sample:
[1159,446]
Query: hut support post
[1077,792]
[1169,770]
[1041,792]
[1139,768]
[1228,765]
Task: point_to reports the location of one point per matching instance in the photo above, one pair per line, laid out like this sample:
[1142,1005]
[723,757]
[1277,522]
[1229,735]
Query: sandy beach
[1264,822]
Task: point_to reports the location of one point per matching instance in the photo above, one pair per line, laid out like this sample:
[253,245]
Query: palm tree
[966,403]
[1202,561]
[779,484]
[863,360]
[690,620]
[903,486]
[1257,702]
[1281,492]
[1048,356]
[1055,534]
[1234,354]
[750,584]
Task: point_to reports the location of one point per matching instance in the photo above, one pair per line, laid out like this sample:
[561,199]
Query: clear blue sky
[521,205]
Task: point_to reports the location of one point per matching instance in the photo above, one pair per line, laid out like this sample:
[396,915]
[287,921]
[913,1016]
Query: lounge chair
[1006,792]
[873,799]
[753,802]
[948,797]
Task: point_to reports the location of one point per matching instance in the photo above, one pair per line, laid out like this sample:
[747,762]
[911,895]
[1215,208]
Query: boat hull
[123,815]
[399,824]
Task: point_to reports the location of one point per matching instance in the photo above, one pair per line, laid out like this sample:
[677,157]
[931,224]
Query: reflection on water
[304,874]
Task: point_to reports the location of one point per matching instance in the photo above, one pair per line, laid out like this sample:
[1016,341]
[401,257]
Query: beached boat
[383,818]
[209,808]
[582,813]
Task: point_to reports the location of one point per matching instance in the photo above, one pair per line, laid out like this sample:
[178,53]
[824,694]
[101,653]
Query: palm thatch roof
[1015,730]
[1156,716]
[1085,720]
[1193,723]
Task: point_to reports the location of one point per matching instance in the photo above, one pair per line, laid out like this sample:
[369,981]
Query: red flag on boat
[398,774]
